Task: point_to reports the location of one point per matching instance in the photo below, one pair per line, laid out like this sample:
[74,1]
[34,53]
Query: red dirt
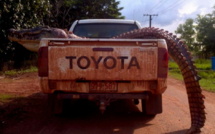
[22,85]
[27,113]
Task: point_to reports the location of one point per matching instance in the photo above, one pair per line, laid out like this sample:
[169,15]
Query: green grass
[176,74]
[17,72]
[202,64]
[204,71]
[6,97]
[174,70]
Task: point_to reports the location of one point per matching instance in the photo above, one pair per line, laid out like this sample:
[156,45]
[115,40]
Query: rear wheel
[152,105]
[55,105]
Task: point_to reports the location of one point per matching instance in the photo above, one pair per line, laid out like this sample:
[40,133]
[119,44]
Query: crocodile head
[30,38]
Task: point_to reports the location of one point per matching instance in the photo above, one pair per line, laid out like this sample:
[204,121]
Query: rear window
[104,30]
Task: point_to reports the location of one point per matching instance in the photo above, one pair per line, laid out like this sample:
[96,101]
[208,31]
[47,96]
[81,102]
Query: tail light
[43,62]
[162,63]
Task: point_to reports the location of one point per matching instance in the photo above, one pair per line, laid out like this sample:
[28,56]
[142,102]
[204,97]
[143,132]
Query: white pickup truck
[103,69]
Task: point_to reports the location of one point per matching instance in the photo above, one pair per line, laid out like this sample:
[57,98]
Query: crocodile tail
[179,53]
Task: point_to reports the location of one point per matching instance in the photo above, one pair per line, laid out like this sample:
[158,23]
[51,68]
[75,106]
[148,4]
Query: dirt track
[28,114]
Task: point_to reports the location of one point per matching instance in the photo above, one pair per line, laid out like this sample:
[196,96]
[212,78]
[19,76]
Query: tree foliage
[206,33]
[199,34]
[187,32]
[64,12]
[20,14]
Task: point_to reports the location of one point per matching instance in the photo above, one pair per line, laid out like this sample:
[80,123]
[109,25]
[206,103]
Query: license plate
[103,87]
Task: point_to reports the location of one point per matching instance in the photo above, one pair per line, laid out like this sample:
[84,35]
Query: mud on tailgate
[103,61]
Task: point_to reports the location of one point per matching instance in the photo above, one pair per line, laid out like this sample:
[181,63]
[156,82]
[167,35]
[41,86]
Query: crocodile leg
[179,53]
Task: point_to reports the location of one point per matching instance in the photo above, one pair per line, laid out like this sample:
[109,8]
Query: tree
[64,12]
[187,33]
[201,37]
[19,14]
[206,33]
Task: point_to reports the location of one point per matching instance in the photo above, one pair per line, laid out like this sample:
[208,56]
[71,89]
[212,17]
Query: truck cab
[103,28]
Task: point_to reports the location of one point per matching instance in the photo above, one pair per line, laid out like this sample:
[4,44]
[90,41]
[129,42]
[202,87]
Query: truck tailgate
[102,60]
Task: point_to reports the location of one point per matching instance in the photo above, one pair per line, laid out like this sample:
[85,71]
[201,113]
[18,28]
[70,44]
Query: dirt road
[28,113]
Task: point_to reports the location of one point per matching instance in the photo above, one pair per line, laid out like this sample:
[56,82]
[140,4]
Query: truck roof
[107,21]
[120,21]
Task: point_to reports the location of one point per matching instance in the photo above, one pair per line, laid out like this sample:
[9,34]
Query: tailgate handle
[102,49]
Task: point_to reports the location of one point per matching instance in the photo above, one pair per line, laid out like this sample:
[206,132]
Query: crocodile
[177,49]
[30,38]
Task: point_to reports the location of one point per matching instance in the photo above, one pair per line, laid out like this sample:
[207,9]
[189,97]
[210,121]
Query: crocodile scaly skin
[179,53]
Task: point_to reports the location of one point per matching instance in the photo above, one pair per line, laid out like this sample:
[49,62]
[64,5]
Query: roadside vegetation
[6,97]
[7,75]
[204,71]
[15,72]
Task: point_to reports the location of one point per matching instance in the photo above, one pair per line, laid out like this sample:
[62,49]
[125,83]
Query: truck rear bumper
[100,96]
[120,87]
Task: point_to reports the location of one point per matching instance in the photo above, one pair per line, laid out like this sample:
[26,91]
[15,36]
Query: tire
[152,105]
[55,105]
